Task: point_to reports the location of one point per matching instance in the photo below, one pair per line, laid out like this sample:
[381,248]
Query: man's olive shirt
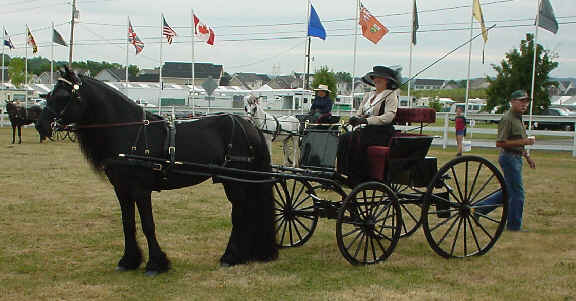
[511,127]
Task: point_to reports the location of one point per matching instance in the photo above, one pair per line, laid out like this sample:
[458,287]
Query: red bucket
[378,157]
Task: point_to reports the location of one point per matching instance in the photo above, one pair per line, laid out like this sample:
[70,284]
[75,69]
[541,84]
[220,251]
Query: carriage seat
[409,115]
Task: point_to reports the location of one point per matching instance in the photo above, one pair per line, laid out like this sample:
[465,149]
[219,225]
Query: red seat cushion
[377,158]
[425,115]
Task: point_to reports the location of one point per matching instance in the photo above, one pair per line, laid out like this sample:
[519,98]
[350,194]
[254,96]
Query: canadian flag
[203,32]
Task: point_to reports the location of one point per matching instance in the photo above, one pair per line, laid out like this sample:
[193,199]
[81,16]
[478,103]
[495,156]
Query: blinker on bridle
[75,87]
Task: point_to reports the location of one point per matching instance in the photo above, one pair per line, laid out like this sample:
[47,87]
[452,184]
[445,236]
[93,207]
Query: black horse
[108,124]
[20,116]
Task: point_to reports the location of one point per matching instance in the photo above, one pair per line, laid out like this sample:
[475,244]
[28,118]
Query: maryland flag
[31,41]
[372,29]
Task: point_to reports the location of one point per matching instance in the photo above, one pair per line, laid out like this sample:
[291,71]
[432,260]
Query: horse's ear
[62,72]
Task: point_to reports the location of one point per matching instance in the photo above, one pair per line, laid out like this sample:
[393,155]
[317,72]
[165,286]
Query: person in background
[511,140]
[321,108]
[377,111]
[460,124]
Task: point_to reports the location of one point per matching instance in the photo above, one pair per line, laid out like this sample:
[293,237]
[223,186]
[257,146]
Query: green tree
[132,70]
[16,71]
[225,79]
[343,77]
[515,72]
[435,104]
[325,77]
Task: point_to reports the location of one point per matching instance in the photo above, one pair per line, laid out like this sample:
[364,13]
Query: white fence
[561,144]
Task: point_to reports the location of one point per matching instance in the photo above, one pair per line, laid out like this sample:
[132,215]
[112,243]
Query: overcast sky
[268,36]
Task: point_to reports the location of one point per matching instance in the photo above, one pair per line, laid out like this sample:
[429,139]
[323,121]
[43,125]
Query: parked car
[564,125]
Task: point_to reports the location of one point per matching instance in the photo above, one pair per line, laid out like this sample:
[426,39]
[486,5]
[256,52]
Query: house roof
[184,70]
[428,82]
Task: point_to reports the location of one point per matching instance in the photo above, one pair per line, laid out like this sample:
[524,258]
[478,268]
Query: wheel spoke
[474,182]
[457,185]
[483,186]
[456,237]
[474,233]
[443,222]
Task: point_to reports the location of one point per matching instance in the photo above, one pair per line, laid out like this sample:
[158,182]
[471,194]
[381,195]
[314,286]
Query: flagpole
[534,63]
[469,63]
[194,62]
[26,63]
[306,46]
[72,33]
[355,51]
[3,47]
[411,50]
[193,86]
[127,45]
[160,74]
[161,42]
[52,57]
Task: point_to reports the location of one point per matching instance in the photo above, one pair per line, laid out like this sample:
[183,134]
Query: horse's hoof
[224,264]
[151,273]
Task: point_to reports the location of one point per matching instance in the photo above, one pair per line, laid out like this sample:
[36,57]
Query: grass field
[61,237]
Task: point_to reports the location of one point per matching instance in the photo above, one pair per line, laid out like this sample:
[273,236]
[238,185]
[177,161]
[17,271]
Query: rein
[118,124]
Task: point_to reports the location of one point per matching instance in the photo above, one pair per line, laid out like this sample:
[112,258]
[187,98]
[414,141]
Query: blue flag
[315,28]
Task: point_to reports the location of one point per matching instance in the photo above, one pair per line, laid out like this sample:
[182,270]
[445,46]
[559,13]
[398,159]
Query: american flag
[168,31]
[134,40]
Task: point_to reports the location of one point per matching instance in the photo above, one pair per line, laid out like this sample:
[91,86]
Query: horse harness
[170,140]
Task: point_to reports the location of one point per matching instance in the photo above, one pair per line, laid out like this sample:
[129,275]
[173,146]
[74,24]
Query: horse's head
[251,105]
[65,98]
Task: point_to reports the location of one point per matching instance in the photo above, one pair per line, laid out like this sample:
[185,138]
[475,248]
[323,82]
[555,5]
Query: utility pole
[72,32]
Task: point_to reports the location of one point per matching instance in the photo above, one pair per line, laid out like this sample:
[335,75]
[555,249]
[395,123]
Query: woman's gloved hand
[355,120]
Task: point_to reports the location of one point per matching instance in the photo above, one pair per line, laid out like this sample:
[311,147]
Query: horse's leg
[295,151]
[132,257]
[157,261]
[237,250]
[253,236]
[262,213]
[19,134]
[13,133]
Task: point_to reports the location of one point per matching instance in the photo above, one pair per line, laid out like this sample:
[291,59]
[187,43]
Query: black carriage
[405,190]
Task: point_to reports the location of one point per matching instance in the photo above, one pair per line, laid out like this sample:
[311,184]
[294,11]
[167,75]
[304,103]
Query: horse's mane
[90,141]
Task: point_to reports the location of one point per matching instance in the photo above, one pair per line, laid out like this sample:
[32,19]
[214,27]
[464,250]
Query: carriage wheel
[59,135]
[369,224]
[410,200]
[288,147]
[72,136]
[456,219]
[295,214]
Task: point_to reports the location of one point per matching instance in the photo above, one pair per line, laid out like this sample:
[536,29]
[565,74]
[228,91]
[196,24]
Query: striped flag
[31,41]
[8,41]
[57,38]
[134,40]
[168,31]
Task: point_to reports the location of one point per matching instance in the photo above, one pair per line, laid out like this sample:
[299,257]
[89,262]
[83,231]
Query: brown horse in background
[20,115]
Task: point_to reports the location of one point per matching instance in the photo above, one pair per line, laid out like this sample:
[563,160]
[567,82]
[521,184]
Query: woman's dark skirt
[352,158]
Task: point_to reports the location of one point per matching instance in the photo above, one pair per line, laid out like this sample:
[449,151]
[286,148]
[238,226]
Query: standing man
[511,140]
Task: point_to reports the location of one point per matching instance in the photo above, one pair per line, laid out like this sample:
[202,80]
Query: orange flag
[372,29]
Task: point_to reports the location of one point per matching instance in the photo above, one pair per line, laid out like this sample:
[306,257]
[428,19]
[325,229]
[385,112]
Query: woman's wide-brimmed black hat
[385,72]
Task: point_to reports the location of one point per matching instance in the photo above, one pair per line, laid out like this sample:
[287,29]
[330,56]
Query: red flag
[203,32]
[372,29]
[134,40]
